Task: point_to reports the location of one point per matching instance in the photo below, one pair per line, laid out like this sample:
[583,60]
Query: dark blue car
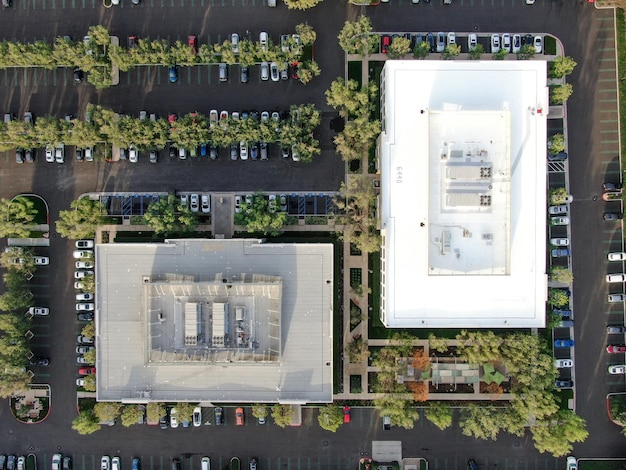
[173,74]
[563,343]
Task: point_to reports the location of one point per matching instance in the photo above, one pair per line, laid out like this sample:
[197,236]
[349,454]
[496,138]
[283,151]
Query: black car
[164,422]
[529,40]
[85,316]
[39,361]
[67,463]
[558,157]
[79,155]
[564,384]
[430,37]
[612,216]
[218,416]
[78,75]
[213,152]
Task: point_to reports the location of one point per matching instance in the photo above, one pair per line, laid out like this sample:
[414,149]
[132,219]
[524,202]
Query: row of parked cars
[439,41]
[196,202]
[84,263]
[276,203]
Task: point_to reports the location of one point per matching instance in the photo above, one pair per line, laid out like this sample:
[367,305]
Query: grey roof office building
[214,320]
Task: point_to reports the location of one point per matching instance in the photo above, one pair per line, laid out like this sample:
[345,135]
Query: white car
[197,416]
[41,260]
[243,150]
[174,418]
[78,254]
[472,41]
[556,210]
[563,363]
[237,204]
[611,278]
[86,307]
[274,72]
[234,40]
[495,43]
[559,220]
[80,382]
[265,116]
[213,116]
[39,311]
[506,42]
[263,38]
[614,298]
[115,463]
[81,244]
[84,264]
[616,256]
[617,369]
[56,461]
[451,38]
[49,155]
[133,154]
[570,463]
[265,71]
[82,274]
[559,241]
[184,200]
[517,43]
[84,297]
[530,2]
[205,202]
[59,154]
[195,202]
[538,44]
[271,204]
[105,463]
[441,42]
[84,349]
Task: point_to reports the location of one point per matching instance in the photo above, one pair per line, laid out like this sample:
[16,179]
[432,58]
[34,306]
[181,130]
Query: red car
[239,416]
[87,370]
[294,71]
[385,42]
[616,349]
[193,43]
[346,414]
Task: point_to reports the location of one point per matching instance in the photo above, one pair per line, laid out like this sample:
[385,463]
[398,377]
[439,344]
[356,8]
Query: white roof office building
[462,158]
[214,320]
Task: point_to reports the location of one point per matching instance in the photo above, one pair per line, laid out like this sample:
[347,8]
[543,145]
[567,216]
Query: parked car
[563,363]
[136,463]
[472,41]
[495,43]
[206,204]
[84,349]
[87,371]
[616,349]
[85,307]
[252,464]
[614,330]
[274,72]
[557,157]
[565,324]
[559,252]
[87,316]
[234,40]
[39,361]
[346,414]
[265,71]
[116,464]
[57,461]
[506,42]
[11,459]
[105,463]
[173,74]
[175,464]
[564,383]
[441,41]
[67,463]
[557,210]
[223,72]
[84,264]
[563,343]
[386,423]
[559,241]
[538,42]
[192,42]
[612,216]
[194,202]
[610,278]
[471,465]
[385,42]
[197,416]
[570,462]
[39,311]
[243,150]
[239,416]
[617,369]
[84,297]
[244,75]
[613,298]
[451,38]
[78,254]
[517,43]
[219,417]
[617,256]
[84,339]
[559,220]
[263,39]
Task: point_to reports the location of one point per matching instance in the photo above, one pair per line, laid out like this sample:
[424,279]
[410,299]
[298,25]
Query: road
[587,36]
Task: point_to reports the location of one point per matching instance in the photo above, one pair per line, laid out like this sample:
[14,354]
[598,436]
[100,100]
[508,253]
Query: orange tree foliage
[420,360]
[419,390]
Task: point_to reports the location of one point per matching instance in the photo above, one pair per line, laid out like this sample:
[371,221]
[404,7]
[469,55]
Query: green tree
[308,70]
[481,422]
[168,216]
[82,220]
[478,347]
[282,415]
[131,414]
[13,380]
[500,55]
[15,216]
[257,217]
[90,356]
[185,411]
[557,298]
[556,143]
[301,4]
[398,408]
[438,344]
[90,383]
[558,196]
[451,51]
[107,411]
[440,414]
[526,52]
[154,411]
[49,131]
[561,66]
[15,300]
[259,411]
[561,274]
[399,47]
[330,417]
[306,33]
[357,350]
[557,434]
[476,52]
[89,330]
[13,279]
[18,261]
[560,93]
[357,37]
[421,50]
[85,423]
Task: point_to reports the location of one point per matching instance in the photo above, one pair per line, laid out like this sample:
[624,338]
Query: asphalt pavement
[587,35]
